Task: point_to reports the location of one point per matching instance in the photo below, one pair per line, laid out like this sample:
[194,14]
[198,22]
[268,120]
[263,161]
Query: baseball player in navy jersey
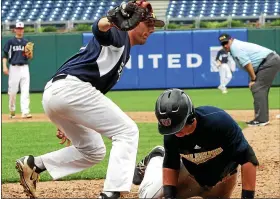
[203,147]
[74,100]
[224,69]
[18,71]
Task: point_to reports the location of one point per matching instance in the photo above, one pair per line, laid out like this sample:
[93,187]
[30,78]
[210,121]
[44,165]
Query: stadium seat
[55,10]
[214,8]
[61,10]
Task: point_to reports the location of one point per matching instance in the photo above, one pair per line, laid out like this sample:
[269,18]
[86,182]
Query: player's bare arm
[170,176]
[104,25]
[170,180]
[5,68]
[248,174]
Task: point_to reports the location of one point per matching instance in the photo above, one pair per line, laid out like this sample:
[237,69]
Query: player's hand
[6,71]
[60,135]
[28,55]
[251,84]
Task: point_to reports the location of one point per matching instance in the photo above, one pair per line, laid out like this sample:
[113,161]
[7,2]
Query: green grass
[237,98]
[20,139]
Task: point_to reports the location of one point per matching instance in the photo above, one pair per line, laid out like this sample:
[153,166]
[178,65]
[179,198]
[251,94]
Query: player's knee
[129,133]
[133,131]
[94,154]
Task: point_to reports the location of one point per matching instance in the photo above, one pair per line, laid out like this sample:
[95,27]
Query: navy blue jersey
[101,62]
[222,56]
[212,151]
[14,51]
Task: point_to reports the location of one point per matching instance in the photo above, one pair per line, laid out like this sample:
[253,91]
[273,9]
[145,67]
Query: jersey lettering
[199,158]
[18,48]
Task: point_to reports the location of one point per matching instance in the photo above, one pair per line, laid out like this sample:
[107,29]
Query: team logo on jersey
[165,122]
[18,48]
[199,158]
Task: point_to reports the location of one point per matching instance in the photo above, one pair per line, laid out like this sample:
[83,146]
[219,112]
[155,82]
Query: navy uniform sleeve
[112,37]
[234,142]
[6,49]
[218,55]
[172,156]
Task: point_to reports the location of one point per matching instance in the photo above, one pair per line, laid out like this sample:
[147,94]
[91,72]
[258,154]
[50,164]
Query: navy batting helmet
[174,109]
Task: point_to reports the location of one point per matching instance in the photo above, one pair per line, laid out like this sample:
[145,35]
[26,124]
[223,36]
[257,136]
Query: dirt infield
[265,141]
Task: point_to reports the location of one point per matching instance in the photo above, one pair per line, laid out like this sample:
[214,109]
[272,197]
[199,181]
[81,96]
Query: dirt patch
[264,140]
[144,117]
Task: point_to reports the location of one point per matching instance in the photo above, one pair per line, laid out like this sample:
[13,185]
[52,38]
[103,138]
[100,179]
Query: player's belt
[59,77]
[18,64]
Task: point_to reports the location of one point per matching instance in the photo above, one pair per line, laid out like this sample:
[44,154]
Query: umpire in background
[262,65]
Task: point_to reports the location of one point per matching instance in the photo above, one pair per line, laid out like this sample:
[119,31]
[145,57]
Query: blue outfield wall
[179,59]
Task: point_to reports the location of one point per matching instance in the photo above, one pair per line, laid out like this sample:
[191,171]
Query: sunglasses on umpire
[224,43]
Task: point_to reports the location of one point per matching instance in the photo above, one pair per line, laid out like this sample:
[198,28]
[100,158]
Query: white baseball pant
[84,114]
[151,186]
[19,76]
[225,75]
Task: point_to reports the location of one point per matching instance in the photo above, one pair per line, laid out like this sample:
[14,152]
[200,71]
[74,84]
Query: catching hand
[126,16]
[28,50]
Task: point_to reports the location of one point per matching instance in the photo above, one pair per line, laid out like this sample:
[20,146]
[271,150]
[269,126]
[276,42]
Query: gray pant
[265,76]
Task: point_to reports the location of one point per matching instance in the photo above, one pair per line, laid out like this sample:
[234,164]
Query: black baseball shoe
[140,168]
[257,123]
[115,195]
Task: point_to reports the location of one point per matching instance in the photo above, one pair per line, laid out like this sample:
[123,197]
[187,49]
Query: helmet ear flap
[191,117]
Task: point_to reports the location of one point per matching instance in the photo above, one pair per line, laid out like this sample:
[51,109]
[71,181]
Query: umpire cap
[174,109]
[224,38]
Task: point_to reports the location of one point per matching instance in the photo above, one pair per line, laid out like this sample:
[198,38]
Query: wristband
[169,191]
[247,194]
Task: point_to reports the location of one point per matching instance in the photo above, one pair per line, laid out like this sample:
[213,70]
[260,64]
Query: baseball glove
[126,16]
[28,50]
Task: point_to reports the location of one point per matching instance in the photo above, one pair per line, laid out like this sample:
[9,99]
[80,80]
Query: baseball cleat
[257,123]
[115,195]
[28,177]
[26,116]
[12,115]
[140,168]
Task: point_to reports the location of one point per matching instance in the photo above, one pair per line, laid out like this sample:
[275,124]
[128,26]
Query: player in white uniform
[224,70]
[18,71]
[74,100]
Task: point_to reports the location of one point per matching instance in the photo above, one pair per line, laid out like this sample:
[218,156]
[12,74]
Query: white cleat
[26,116]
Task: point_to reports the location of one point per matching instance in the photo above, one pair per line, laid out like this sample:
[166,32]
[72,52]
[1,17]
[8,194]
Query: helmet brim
[170,130]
